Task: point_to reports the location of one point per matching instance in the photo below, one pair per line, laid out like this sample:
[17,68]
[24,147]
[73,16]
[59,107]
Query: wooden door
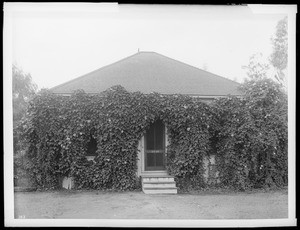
[155,147]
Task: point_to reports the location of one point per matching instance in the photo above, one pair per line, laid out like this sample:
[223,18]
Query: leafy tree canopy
[23,89]
[252,136]
[279,56]
[257,69]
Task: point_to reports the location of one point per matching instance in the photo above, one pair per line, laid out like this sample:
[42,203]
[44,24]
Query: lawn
[66,204]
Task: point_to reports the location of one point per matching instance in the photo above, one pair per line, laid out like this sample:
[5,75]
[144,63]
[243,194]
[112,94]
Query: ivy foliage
[248,135]
[23,89]
[57,129]
[251,139]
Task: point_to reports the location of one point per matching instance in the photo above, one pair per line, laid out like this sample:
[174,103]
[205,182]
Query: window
[92,146]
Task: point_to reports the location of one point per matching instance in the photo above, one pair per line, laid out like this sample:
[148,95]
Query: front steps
[163,184]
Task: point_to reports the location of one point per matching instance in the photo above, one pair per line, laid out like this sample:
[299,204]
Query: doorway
[155,147]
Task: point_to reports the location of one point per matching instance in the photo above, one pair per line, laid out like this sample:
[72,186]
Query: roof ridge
[146,52]
[85,75]
[195,67]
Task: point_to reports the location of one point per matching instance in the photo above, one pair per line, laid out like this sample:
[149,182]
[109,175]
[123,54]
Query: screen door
[155,147]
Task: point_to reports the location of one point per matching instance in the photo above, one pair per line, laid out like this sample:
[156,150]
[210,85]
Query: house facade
[148,72]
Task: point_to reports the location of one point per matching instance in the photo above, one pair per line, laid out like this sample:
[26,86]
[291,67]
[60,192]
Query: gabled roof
[152,72]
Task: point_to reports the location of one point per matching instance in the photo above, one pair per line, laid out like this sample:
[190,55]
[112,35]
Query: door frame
[155,151]
[141,157]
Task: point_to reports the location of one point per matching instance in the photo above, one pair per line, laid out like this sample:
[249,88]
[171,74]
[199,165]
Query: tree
[252,136]
[266,130]
[268,106]
[279,56]
[23,89]
[257,69]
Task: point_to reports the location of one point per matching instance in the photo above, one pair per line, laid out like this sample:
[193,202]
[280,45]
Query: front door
[155,147]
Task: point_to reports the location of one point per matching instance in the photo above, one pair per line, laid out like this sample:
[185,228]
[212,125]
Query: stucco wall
[68,183]
[140,157]
[210,173]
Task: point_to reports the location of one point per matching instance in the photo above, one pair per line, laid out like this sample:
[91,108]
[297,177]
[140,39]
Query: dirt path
[137,205]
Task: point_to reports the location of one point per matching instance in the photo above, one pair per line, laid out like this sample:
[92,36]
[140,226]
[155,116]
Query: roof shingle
[152,72]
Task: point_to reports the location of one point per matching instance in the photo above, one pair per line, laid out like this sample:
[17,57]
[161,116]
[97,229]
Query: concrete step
[160,190]
[158,179]
[159,185]
[155,173]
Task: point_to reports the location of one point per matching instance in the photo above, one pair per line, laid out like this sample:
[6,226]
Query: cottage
[152,72]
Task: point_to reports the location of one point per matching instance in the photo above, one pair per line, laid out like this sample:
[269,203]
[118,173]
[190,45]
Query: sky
[57,43]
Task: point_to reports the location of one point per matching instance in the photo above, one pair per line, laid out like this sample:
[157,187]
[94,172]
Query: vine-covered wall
[56,131]
[251,140]
[58,128]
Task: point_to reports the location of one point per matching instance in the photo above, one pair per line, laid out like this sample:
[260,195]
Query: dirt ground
[137,205]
